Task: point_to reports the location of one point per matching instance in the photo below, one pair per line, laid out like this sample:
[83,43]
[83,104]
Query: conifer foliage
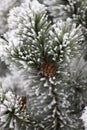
[74,9]
[49,96]
[5,7]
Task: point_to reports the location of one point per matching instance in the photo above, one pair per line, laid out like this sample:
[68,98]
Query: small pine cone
[23,103]
[48,69]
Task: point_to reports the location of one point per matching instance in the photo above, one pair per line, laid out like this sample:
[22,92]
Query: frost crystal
[84,117]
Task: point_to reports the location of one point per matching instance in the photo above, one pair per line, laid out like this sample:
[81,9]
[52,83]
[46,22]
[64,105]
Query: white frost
[84,117]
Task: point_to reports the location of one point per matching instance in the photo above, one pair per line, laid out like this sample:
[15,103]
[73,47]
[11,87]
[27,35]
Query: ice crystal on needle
[84,117]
